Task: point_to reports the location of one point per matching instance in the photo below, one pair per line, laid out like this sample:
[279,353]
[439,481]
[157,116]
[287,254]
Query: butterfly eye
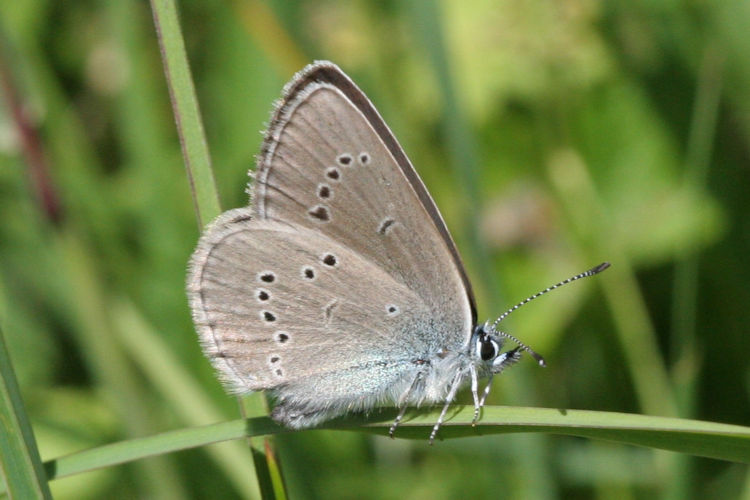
[488,349]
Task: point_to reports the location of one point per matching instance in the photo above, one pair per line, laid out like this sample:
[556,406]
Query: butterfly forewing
[327,167]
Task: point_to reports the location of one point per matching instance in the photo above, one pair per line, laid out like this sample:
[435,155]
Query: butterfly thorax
[480,357]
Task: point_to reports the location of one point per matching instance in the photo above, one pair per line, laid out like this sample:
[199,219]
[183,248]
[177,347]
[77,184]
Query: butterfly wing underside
[270,321]
[330,163]
[334,198]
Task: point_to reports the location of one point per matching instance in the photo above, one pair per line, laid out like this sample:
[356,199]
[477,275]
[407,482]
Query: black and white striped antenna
[591,272]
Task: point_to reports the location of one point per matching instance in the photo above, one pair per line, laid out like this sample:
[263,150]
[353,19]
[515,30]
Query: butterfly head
[487,344]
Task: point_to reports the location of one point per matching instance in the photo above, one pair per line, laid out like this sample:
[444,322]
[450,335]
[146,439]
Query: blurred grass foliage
[583,137]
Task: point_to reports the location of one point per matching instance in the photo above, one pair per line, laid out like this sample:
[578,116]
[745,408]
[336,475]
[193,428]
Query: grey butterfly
[340,288]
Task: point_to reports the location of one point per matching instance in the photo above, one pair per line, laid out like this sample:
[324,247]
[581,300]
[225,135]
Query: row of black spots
[274,360]
[346,159]
[321,213]
[308,273]
[274,363]
[263,295]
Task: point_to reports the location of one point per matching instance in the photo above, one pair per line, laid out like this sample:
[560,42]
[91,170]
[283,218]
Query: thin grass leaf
[109,365]
[160,444]
[707,439]
[695,437]
[460,142]
[697,163]
[186,111]
[461,145]
[20,464]
[262,24]
[575,188]
[684,346]
[176,386]
[200,176]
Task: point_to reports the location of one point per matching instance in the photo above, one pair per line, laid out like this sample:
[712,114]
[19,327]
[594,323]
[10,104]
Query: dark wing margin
[327,72]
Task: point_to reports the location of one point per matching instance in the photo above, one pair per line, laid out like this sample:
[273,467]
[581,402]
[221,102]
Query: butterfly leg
[395,423]
[474,388]
[485,393]
[403,403]
[451,394]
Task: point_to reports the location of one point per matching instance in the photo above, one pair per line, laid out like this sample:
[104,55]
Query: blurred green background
[552,135]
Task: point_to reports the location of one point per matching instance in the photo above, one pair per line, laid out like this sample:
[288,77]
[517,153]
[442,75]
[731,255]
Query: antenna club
[601,267]
[538,357]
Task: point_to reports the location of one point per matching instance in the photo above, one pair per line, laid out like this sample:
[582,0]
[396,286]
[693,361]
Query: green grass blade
[186,111]
[178,387]
[113,373]
[20,464]
[697,163]
[159,444]
[267,31]
[200,176]
[684,349]
[575,188]
[707,439]
[461,144]
[459,139]
[695,437]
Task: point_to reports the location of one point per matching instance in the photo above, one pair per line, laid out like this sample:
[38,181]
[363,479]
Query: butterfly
[339,288]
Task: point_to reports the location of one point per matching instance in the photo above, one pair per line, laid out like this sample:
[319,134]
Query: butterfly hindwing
[278,304]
